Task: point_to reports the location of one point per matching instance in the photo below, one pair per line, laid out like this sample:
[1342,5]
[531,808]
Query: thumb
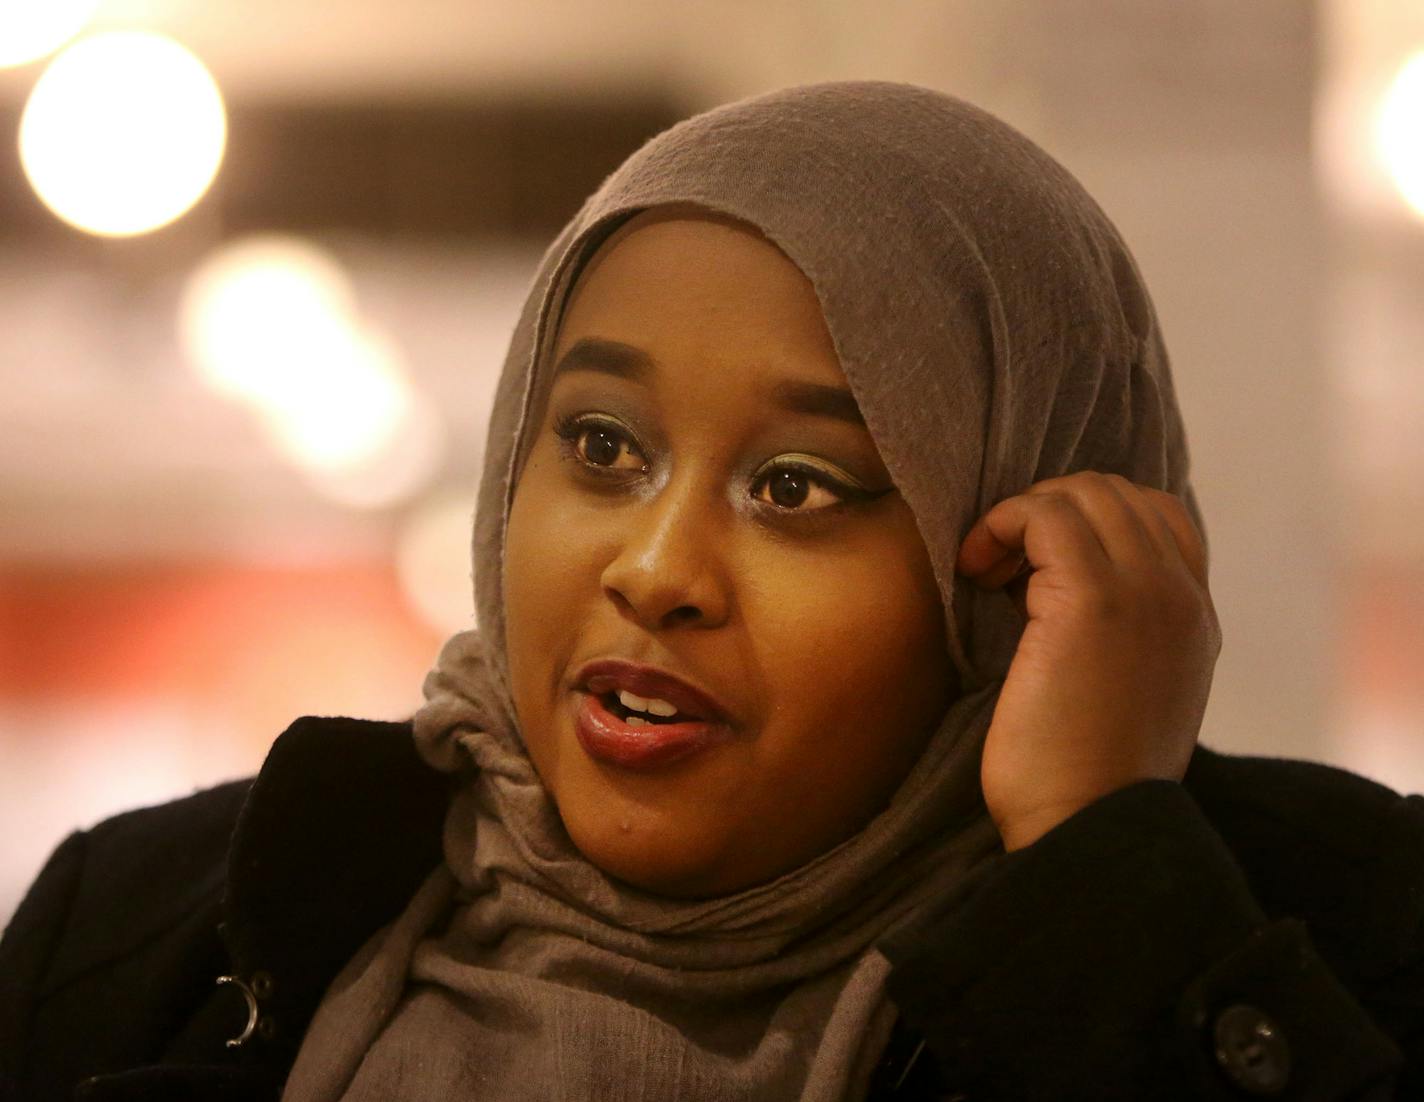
[1017,589]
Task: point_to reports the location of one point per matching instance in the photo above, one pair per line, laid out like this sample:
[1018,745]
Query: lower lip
[605,737]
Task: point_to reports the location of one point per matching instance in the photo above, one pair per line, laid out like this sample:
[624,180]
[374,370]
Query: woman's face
[701,498]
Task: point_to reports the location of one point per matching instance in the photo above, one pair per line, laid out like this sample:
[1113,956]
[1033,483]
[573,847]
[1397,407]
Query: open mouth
[632,715]
[630,693]
[615,734]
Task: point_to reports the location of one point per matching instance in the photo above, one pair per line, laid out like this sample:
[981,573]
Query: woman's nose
[668,569]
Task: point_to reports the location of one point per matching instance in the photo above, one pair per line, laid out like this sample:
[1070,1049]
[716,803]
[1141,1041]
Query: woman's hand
[1110,680]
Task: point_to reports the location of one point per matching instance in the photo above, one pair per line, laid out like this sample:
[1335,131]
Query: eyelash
[569,427]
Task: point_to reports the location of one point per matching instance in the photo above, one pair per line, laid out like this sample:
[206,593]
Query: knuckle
[1056,499]
[1193,616]
[1060,485]
[1211,620]
[1166,499]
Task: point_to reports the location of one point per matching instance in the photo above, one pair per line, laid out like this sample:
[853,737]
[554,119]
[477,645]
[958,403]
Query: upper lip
[605,675]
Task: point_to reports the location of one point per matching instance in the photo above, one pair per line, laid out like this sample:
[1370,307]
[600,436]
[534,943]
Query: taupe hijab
[995,331]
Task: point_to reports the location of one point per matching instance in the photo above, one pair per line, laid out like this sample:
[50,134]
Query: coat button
[263,985]
[1252,1050]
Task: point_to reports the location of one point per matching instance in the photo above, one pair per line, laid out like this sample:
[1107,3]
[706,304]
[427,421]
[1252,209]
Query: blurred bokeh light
[262,308]
[123,133]
[272,321]
[1399,132]
[30,29]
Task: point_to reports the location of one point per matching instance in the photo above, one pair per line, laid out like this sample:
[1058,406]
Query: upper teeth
[646,704]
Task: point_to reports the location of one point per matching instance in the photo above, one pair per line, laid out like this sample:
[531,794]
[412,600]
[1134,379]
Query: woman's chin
[654,859]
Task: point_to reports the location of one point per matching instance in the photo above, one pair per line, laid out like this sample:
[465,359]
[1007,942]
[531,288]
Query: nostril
[653,607]
[620,602]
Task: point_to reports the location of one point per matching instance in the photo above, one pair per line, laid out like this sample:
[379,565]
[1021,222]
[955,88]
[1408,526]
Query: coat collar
[338,830]
[341,826]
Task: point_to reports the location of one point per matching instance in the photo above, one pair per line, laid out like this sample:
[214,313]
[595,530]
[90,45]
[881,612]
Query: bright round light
[1399,132]
[29,29]
[355,427]
[259,311]
[272,321]
[123,133]
[342,409]
[404,461]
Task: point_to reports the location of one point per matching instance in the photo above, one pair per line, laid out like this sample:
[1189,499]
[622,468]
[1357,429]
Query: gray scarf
[995,332]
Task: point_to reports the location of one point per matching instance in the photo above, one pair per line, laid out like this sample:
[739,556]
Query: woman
[830,730]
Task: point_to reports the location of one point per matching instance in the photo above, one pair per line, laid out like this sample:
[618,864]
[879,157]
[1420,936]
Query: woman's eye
[599,444]
[792,488]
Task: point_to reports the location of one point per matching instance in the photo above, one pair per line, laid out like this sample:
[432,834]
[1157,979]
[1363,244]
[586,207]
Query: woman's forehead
[668,275]
[689,238]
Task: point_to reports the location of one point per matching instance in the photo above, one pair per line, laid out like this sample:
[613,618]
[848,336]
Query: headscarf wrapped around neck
[995,331]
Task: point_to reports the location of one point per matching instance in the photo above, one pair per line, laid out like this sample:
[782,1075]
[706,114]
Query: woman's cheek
[540,567]
[863,648]
[547,548]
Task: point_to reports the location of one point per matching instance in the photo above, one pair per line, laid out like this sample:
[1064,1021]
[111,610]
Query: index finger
[1190,542]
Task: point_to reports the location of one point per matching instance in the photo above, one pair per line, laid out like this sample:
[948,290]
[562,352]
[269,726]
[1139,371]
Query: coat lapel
[343,824]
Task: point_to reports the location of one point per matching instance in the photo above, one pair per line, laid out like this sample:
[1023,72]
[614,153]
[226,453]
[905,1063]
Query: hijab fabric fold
[995,332]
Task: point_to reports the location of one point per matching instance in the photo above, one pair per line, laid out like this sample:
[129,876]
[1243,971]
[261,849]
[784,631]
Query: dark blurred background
[257,275]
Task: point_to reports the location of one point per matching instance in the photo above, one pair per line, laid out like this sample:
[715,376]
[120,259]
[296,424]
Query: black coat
[1252,932]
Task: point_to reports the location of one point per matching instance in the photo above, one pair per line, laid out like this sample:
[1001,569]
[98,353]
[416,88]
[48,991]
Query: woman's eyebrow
[610,357]
[625,361]
[819,400]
